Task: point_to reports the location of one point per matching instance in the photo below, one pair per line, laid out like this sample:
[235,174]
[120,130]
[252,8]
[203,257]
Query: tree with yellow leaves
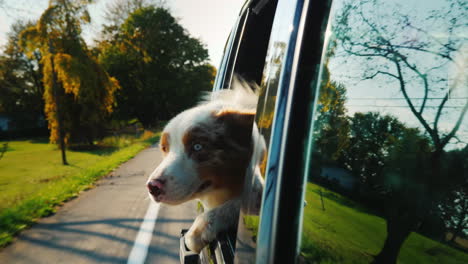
[79,93]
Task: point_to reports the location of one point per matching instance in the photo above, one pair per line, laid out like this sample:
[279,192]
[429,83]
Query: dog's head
[206,149]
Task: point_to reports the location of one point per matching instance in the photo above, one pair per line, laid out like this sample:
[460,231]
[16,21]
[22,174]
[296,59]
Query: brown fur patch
[238,124]
[228,111]
[226,150]
[242,118]
[164,142]
[263,163]
[202,136]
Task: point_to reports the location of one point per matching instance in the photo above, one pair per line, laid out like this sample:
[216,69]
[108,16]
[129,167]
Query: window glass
[223,78]
[388,168]
[250,245]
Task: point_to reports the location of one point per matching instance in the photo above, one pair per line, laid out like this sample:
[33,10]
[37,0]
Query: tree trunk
[62,146]
[90,140]
[452,239]
[58,96]
[398,229]
[458,230]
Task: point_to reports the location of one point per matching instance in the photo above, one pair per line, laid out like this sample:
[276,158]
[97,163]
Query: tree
[455,213]
[408,201]
[371,137]
[454,207]
[21,87]
[160,67]
[79,93]
[400,50]
[332,126]
[118,11]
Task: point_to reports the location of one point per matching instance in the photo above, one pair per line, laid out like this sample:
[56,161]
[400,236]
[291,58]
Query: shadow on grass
[5,147]
[99,150]
[311,253]
[111,145]
[152,140]
[39,140]
[343,200]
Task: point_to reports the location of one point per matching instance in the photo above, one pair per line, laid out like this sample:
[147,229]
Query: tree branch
[426,51]
[37,83]
[421,75]
[434,136]
[381,72]
[452,133]
[439,111]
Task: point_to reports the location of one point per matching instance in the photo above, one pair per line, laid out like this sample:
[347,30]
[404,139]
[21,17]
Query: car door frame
[280,226]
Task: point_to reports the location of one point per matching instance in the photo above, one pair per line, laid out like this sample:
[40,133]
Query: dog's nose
[155,186]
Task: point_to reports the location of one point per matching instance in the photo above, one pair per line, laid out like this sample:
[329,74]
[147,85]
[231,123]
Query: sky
[383,94]
[208,20]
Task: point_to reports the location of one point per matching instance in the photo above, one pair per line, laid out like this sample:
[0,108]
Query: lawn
[33,181]
[345,233]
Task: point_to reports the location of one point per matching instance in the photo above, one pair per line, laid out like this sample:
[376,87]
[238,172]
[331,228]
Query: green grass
[33,182]
[251,223]
[346,233]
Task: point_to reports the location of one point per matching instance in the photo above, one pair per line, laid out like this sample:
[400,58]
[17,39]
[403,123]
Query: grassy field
[33,181]
[346,233]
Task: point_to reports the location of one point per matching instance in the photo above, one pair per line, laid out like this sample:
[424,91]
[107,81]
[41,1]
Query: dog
[207,150]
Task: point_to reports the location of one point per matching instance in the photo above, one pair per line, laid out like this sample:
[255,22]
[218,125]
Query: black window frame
[280,228]
[226,67]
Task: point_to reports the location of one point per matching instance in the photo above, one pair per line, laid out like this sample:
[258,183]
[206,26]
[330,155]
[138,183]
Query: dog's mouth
[158,197]
[203,186]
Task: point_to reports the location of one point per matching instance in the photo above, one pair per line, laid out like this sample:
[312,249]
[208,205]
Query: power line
[412,98]
[402,106]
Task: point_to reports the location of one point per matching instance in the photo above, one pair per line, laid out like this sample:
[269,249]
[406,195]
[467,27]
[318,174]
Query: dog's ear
[241,119]
[238,124]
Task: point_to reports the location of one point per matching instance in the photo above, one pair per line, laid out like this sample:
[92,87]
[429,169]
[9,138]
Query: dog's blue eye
[197,147]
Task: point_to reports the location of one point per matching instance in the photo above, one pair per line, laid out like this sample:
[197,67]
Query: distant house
[344,178]
[4,123]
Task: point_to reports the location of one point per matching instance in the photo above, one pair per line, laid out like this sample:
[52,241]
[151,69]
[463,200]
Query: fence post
[321,199]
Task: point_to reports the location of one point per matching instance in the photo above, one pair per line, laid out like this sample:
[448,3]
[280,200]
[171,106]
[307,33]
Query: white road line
[143,239]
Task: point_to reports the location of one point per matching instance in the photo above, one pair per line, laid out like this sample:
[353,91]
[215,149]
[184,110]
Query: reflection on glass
[389,168]
[252,197]
[249,220]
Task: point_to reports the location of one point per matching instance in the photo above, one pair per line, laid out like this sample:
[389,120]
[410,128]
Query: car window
[387,176]
[226,67]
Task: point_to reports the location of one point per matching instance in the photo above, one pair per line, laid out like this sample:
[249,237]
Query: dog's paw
[200,233]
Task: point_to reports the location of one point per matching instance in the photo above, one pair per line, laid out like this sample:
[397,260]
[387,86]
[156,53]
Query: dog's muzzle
[156,188]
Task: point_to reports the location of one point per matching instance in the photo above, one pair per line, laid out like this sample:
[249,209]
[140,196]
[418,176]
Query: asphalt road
[107,224]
